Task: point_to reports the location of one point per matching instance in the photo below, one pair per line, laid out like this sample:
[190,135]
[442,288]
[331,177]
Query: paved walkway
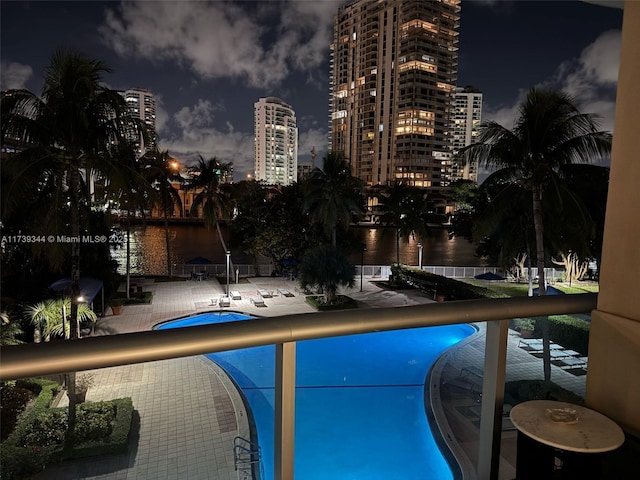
[188,411]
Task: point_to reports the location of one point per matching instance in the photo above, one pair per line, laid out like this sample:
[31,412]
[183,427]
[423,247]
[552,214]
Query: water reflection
[148,251]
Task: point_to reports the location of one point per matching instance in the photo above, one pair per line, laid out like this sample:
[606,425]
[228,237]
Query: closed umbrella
[489,276]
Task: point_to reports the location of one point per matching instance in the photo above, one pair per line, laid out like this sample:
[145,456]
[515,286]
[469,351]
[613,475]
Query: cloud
[312,138]
[14,75]
[190,132]
[505,115]
[200,115]
[591,79]
[222,39]
[596,68]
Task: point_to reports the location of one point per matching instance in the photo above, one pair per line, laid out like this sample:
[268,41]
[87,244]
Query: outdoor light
[364,249]
[420,255]
[228,259]
[80,299]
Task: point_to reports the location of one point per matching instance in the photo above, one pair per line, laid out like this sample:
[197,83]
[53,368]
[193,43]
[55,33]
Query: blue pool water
[360,411]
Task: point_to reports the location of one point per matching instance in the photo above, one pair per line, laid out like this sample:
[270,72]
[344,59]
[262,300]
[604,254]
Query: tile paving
[188,410]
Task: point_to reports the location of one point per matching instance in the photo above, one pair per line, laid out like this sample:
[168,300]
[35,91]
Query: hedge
[432,284]
[570,332]
[19,462]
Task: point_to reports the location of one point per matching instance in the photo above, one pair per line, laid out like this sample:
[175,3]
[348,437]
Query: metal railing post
[285,410]
[495,364]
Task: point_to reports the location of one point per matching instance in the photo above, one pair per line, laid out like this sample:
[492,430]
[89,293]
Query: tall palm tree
[333,197]
[549,133]
[131,191]
[405,209]
[161,173]
[213,196]
[67,131]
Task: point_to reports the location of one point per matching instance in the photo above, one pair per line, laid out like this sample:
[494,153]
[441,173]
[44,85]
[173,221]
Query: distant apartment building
[467,115]
[276,142]
[393,74]
[141,104]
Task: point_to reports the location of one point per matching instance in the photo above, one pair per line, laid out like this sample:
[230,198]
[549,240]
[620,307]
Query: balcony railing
[108,351]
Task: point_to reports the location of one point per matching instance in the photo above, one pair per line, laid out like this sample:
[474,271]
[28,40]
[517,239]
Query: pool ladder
[247,459]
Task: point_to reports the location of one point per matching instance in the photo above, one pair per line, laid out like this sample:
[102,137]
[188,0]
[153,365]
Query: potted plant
[525,326]
[116,305]
[83,383]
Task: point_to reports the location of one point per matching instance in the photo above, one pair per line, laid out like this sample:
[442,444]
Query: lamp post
[228,257]
[364,249]
[420,255]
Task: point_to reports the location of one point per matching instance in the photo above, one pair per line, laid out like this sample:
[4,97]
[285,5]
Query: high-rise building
[467,115]
[141,104]
[393,73]
[276,142]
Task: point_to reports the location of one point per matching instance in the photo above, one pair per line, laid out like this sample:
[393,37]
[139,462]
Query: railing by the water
[369,271]
[98,352]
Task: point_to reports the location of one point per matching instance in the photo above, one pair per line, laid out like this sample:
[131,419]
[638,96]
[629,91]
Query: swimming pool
[360,408]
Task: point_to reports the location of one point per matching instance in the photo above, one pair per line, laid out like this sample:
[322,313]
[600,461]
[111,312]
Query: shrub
[18,462]
[13,399]
[47,429]
[102,428]
[342,302]
[524,324]
[95,421]
[570,332]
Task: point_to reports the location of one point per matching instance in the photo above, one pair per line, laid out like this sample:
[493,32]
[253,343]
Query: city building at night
[276,142]
[393,75]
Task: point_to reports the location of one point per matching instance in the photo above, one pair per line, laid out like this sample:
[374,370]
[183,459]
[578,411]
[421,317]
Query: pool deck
[188,411]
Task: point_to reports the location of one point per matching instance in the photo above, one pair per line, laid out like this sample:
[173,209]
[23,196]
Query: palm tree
[161,173]
[50,317]
[9,331]
[405,209]
[66,132]
[131,192]
[327,267]
[333,197]
[213,195]
[549,133]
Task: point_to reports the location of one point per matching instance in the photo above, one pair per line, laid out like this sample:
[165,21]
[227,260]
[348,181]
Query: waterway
[148,251]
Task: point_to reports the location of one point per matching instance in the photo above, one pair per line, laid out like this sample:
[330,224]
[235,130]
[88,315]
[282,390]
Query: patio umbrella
[198,261]
[550,291]
[489,276]
[289,262]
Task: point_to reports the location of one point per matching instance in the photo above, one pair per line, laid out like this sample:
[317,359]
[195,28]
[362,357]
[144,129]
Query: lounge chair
[258,302]
[265,293]
[235,295]
[214,302]
[570,362]
[224,301]
[558,353]
[528,342]
[285,293]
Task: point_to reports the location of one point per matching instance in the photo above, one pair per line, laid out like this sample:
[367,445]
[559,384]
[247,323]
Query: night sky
[208,62]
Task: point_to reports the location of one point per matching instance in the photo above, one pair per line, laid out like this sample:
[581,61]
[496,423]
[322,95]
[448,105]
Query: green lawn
[522,289]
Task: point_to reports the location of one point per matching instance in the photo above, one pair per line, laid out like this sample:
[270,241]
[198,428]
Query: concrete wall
[613,382]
